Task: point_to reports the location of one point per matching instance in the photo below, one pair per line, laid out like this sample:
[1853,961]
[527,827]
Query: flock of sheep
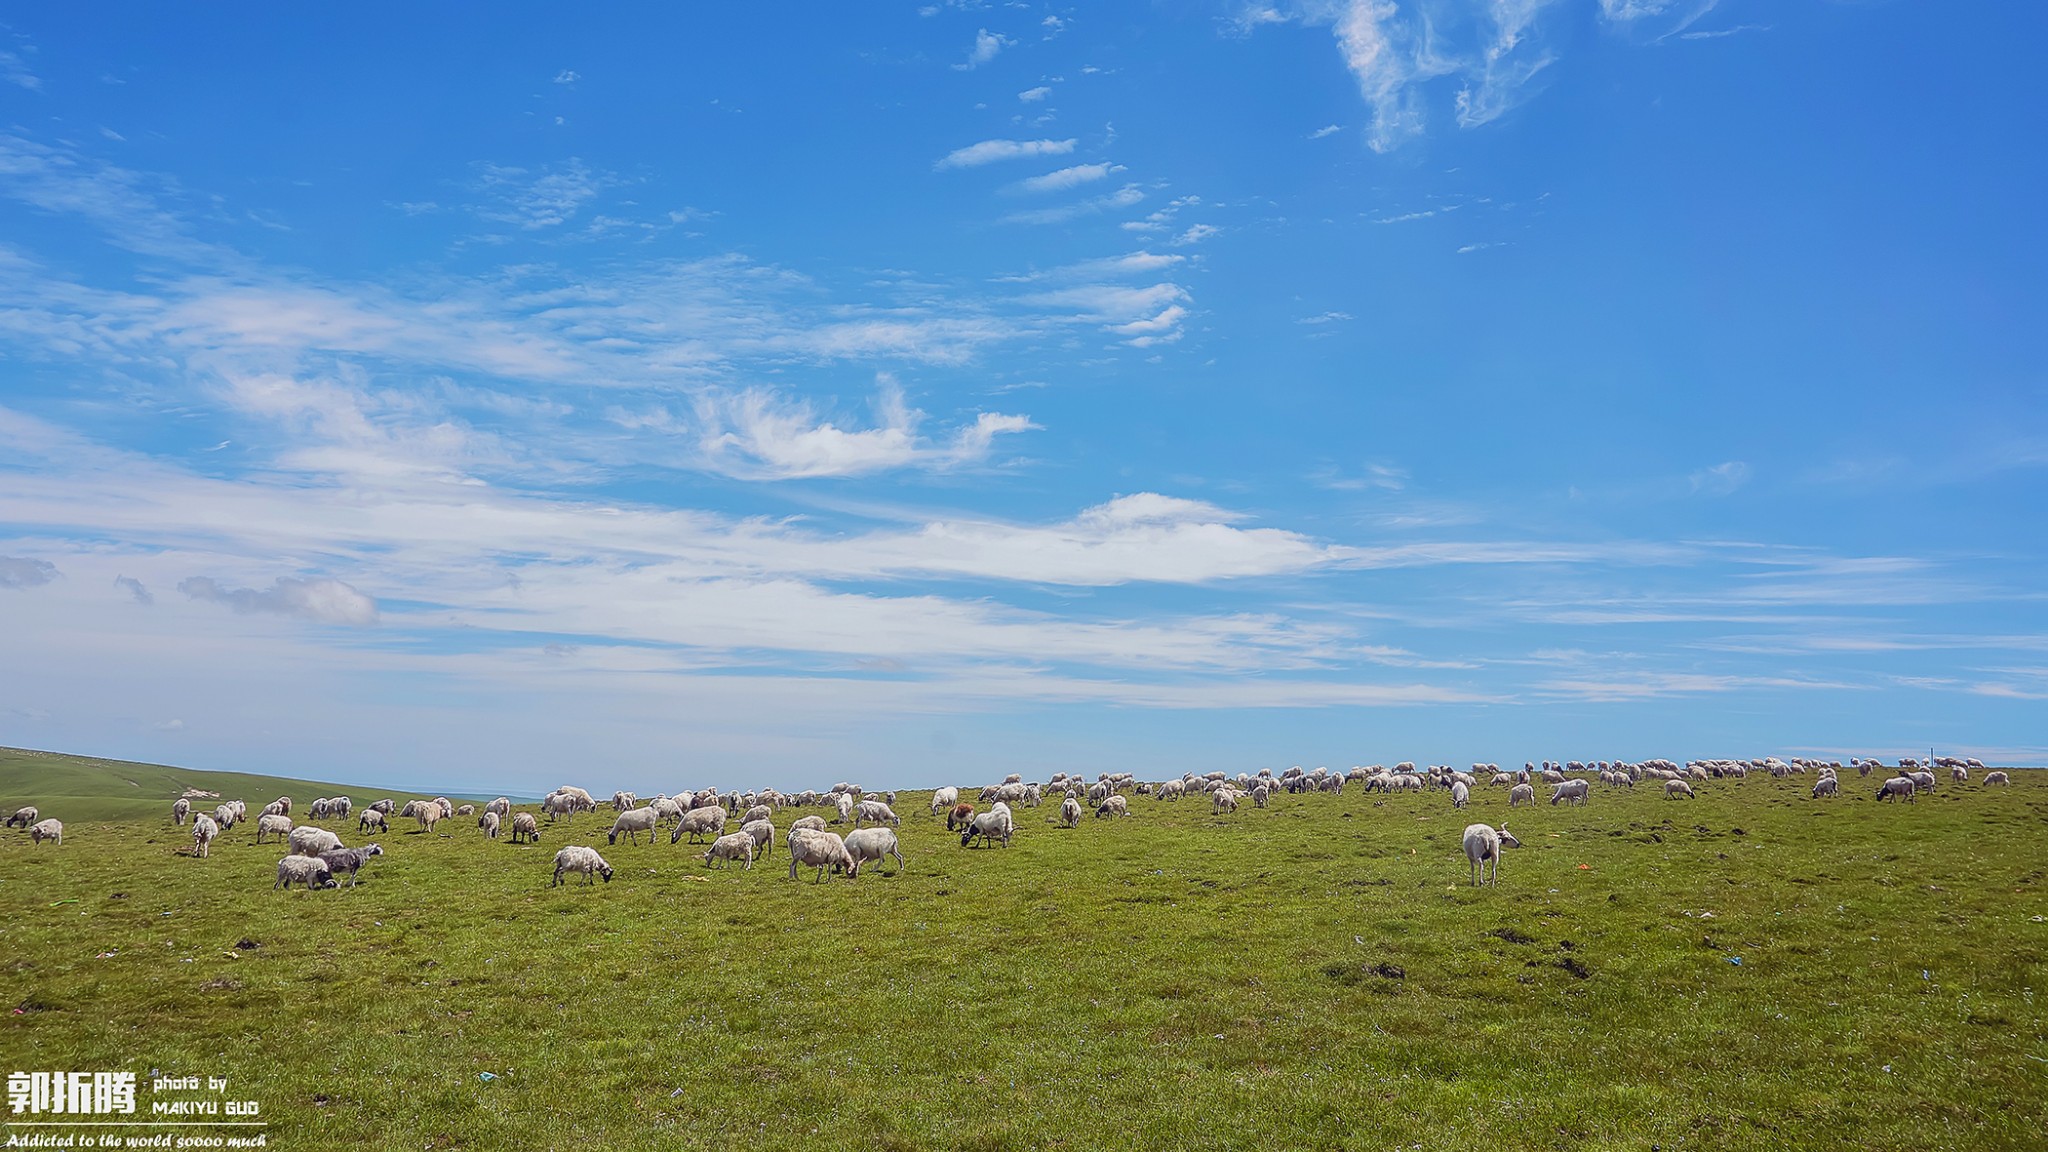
[316,856]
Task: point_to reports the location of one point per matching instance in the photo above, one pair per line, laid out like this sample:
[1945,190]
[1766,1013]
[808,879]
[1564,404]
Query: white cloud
[1065,178]
[1721,479]
[534,201]
[320,600]
[1324,318]
[1326,130]
[1195,234]
[986,45]
[565,76]
[1033,95]
[1718,33]
[1123,197]
[757,434]
[14,70]
[990,151]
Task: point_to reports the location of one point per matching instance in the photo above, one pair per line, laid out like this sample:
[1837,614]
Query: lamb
[350,860]
[1895,788]
[1460,795]
[1991,778]
[24,817]
[180,809]
[306,840]
[203,832]
[943,799]
[1673,789]
[817,848]
[1483,845]
[763,832]
[1825,786]
[50,829]
[1114,806]
[738,846]
[875,812]
[959,815]
[310,871]
[632,823]
[1070,813]
[577,858]
[1571,790]
[489,823]
[865,844]
[372,822]
[274,825]
[524,824]
[699,823]
[1520,793]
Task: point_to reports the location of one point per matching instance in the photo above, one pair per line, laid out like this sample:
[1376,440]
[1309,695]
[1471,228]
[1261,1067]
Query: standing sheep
[958,815]
[1070,813]
[738,846]
[524,824]
[309,871]
[1673,789]
[1521,793]
[1825,786]
[372,822]
[577,858]
[1571,791]
[306,840]
[634,822]
[875,812]
[698,823]
[1483,846]
[50,829]
[763,832]
[1991,778]
[203,832]
[1114,806]
[1460,795]
[180,809]
[273,825]
[23,816]
[943,799]
[489,823]
[350,860]
[816,848]
[865,844]
[1896,788]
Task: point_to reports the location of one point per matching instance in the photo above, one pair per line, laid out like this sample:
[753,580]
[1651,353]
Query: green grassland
[1316,975]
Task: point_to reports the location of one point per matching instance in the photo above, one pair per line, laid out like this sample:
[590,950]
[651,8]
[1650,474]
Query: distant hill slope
[88,788]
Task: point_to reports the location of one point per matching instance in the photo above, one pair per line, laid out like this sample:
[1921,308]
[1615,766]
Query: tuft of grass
[1316,975]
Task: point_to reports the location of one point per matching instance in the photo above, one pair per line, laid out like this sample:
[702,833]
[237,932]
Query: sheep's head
[1507,839]
[606,872]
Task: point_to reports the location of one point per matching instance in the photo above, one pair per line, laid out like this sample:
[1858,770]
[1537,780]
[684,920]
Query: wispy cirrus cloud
[320,600]
[1065,178]
[990,151]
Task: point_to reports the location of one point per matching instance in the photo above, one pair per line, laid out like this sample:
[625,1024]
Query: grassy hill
[88,788]
[1755,969]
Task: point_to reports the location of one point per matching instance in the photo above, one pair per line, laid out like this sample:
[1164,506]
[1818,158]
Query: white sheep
[1520,794]
[1573,791]
[1114,806]
[738,846]
[525,825]
[810,823]
[1070,813]
[944,798]
[698,823]
[310,871]
[272,824]
[994,824]
[203,832]
[875,812]
[1825,786]
[817,848]
[763,832]
[50,829]
[633,822]
[1991,778]
[1460,794]
[1223,800]
[307,840]
[1483,845]
[489,823]
[23,816]
[844,803]
[1673,789]
[180,809]
[502,806]
[577,858]
[1895,788]
[372,822]
[865,844]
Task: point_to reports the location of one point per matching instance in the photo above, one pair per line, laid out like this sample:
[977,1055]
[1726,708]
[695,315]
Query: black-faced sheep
[577,858]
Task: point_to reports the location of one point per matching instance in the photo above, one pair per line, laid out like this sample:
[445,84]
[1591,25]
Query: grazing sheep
[272,824]
[760,812]
[1673,789]
[274,808]
[577,858]
[698,823]
[180,808]
[489,823]
[817,848]
[350,860]
[865,844]
[372,822]
[524,825]
[1070,813]
[875,812]
[50,829]
[24,817]
[1991,778]
[1895,788]
[1114,806]
[428,813]
[309,871]
[738,846]
[306,840]
[763,832]
[502,806]
[994,824]
[225,816]
[1260,794]
[1460,795]
[959,815]
[1521,793]
[1483,845]
[466,810]
[1574,791]
[387,806]
[1825,786]
[203,832]
[632,823]
[1223,800]
[1923,781]
[844,803]
[812,823]
[943,799]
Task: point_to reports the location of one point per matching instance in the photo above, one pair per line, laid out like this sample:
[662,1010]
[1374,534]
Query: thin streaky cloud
[990,151]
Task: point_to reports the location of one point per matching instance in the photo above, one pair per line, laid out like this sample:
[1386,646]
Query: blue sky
[915,394]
